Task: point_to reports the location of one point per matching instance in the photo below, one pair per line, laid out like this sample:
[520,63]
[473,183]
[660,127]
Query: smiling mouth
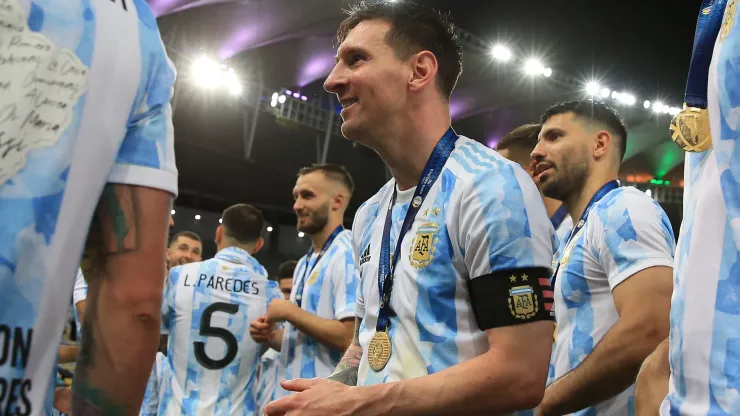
[541,168]
[348,102]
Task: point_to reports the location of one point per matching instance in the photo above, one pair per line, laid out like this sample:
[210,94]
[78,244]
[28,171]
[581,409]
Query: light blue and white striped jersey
[626,232]
[268,379]
[329,293]
[483,215]
[562,233]
[212,359]
[79,294]
[150,404]
[705,309]
[85,87]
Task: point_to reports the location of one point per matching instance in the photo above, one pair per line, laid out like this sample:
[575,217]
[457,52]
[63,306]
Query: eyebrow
[348,51]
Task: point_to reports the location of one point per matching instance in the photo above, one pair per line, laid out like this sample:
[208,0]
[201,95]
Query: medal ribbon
[307,271]
[559,216]
[608,187]
[387,266]
[707,28]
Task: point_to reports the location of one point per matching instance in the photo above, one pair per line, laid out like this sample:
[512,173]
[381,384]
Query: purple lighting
[161,7]
[317,67]
[304,98]
[242,39]
[296,95]
[289,92]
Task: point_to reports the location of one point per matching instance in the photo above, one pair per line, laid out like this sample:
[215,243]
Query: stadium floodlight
[206,72]
[674,110]
[172,212]
[301,234]
[592,88]
[649,193]
[627,98]
[281,99]
[197,216]
[547,72]
[269,229]
[658,107]
[534,66]
[501,53]
[646,104]
[220,220]
[605,92]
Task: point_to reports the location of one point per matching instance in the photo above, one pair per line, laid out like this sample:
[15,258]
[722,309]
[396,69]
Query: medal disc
[379,351]
[690,130]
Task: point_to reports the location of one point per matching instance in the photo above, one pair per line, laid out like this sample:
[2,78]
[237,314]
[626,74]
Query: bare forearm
[276,340]
[67,353]
[607,371]
[120,333]
[330,333]
[481,386]
[652,381]
[346,371]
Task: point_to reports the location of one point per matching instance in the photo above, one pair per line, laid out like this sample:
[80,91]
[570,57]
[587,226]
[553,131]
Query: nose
[297,205]
[337,80]
[538,153]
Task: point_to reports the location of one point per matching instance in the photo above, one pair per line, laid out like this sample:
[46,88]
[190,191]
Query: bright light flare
[592,88]
[534,66]
[206,72]
[501,53]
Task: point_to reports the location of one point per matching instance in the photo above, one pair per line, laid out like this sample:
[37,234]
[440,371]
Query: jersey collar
[234,255]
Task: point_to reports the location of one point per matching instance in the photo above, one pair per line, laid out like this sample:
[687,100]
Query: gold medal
[690,129]
[379,351]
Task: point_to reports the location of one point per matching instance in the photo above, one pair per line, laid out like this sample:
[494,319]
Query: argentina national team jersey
[85,87]
[481,216]
[626,232]
[562,233]
[705,308]
[329,293]
[212,359]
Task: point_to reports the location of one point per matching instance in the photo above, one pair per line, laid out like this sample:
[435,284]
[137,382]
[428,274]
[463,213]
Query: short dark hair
[286,269]
[187,234]
[593,111]
[414,28]
[523,137]
[336,172]
[243,223]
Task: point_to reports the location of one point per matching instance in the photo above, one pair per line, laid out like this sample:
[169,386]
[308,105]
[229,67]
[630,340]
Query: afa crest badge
[312,278]
[424,245]
[523,302]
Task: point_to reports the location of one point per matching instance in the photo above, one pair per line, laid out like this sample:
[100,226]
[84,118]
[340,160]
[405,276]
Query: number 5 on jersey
[206,330]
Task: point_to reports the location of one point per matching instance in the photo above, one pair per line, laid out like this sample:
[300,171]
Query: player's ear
[258,245]
[219,234]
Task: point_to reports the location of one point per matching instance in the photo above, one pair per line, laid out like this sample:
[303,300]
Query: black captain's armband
[512,297]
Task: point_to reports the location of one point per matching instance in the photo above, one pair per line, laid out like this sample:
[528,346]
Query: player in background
[318,317]
[613,280]
[93,170]
[211,361]
[269,363]
[462,324]
[185,247]
[517,146]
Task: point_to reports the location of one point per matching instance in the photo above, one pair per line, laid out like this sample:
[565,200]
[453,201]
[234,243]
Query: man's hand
[316,397]
[261,329]
[63,399]
[280,310]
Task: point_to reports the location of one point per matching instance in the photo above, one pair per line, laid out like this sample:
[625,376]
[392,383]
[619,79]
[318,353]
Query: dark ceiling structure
[247,147]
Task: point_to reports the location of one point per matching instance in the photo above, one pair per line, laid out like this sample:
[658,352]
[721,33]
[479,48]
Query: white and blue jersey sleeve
[630,233]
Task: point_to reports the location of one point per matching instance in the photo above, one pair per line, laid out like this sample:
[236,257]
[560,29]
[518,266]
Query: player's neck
[407,151]
[249,248]
[551,205]
[319,239]
[577,203]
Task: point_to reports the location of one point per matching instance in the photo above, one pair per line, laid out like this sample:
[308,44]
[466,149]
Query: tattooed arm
[346,371]
[123,265]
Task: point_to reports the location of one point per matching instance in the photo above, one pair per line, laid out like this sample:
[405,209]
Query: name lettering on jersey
[222,283]
[15,345]
[123,2]
[40,85]
[365,257]
[424,245]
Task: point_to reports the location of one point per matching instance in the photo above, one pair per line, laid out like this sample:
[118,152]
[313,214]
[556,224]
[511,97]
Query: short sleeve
[632,234]
[273,291]
[146,156]
[503,224]
[80,290]
[507,242]
[344,282]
